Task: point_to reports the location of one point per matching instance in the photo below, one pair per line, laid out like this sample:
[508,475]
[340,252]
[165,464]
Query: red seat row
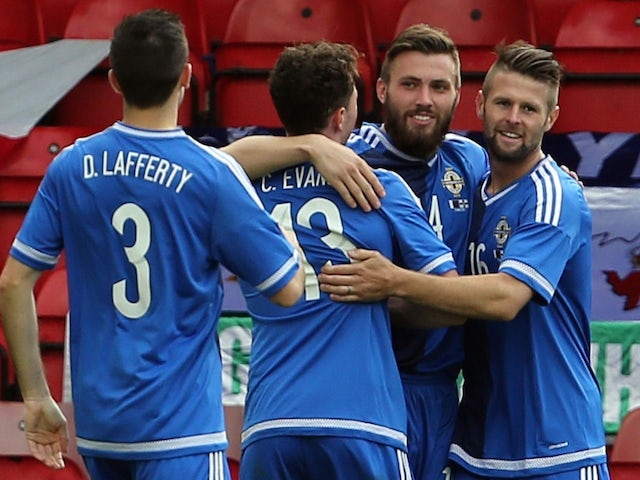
[234,43]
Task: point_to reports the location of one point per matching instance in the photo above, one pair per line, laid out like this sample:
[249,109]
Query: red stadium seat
[21,24]
[55,14]
[548,16]
[256,34]
[598,43]
[16,462]
[23,167]
[384,17]
[216,15]
[476,27]
[624,460]
[92,102]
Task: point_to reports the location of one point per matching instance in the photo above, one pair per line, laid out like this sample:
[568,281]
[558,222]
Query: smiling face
[418,101]
[515,112]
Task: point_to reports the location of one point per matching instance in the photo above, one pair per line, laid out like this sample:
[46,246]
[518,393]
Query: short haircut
[421,38]
[525,59]
[310,81]
[148,53]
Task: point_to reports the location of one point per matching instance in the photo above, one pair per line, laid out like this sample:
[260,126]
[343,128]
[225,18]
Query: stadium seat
[256,34]
[598,43]
[52,306]
[23,167]
[476,27]
[548,15]
[624,461]
[16,462]
[55,14]
[21,24]
[92,102]
[216,15]
[384,17]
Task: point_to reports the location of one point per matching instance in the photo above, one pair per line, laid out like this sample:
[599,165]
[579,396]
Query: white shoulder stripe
[548,194]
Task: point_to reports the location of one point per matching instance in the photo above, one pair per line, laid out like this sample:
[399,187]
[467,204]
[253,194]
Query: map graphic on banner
[616,253]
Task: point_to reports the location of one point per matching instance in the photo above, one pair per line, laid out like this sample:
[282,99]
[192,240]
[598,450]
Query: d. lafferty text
[302,176]
[138,165]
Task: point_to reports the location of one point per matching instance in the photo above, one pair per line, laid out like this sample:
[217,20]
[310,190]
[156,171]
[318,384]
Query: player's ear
[338,119]
[113,81]
[551,118]
[381,90]
[480,104]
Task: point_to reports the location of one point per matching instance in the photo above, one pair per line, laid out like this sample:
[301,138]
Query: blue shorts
[202,466]
[432,407]
[322,458]
[592,472]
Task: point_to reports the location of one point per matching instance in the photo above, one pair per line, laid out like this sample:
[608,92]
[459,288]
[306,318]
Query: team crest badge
[452,181]
[501,234]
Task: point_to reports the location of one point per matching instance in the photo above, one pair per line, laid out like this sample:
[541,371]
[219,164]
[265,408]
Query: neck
[506,172]
[163,117]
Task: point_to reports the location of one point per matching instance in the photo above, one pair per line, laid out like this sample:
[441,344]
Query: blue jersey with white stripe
[146,217]
[321,367]
[445,185]
[531,403]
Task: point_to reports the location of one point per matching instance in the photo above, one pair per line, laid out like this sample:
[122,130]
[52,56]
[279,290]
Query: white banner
[615,243]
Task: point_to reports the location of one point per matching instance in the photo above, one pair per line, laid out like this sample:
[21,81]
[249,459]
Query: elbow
[287,297]
[504,311]
[291,293]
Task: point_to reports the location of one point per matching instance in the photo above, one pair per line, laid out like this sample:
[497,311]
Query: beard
[500,155]
[418,142]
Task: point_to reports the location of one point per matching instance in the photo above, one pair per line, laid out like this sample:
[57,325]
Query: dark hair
[310,81]
[525,59]
[148,52]
[421,38]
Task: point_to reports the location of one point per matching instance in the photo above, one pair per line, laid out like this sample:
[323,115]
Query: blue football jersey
[445,185]
[321,367]
[531,403]
[146,218]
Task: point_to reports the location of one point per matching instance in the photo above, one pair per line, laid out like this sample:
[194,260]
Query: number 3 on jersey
[136,256]
[333,239]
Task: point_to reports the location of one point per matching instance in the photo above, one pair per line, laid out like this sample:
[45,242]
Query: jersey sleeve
[252,245]
[419,248]
[547,237]
[39,241]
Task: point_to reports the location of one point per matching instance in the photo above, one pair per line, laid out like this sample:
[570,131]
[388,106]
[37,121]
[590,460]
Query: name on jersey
[138,165]
[303,176]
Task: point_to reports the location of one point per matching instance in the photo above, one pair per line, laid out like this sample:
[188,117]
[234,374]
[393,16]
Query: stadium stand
[548,15]
[384,17]
[257,32]
[598,43]
[95,19]
[476,26]
[55,15]
[24,165]
[16,462]
[216,15]
[624,460]
[21,24]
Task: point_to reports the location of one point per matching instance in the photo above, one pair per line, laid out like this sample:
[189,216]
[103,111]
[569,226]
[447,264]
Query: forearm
[260,155]
[411,315]
[491,297]
[17,307]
